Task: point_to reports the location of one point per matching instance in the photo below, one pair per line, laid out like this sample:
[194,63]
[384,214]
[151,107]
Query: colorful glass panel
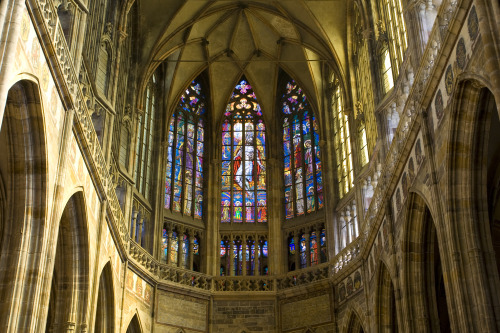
[243,181]
[291,246]
[184,172]
[313,248]
[303,253]
[164,245]
[302,164]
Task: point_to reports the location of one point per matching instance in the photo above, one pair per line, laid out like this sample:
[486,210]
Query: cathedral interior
[297,166]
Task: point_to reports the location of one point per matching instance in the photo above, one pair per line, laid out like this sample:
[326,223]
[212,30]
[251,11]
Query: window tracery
[144,148]
[244,196]
[365,108]
[343,151]
[184,173]
[393,29]
[302,164]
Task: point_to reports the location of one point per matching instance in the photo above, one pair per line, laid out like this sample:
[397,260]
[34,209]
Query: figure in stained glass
[184,172]
[243,159]
[301,154]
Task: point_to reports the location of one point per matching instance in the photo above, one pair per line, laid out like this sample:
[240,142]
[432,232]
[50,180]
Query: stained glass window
[144,148]
[302,164]
[164,246]
[243,197]
[291,245]
[196,246]
[184,174]
[174,248]
[185,251]
[303,252]
[313,248]
[323,246]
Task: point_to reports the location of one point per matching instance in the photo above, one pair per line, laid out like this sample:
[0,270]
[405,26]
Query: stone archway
[105,312]
[134,326]
[423,274]
[354,324]
[70,278]
[23,169]
[385,304]
[466,214]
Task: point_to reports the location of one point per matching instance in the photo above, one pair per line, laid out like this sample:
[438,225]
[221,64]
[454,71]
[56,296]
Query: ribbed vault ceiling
[231,38]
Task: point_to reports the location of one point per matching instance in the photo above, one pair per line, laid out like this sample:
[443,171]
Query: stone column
[180,253]
[139,234]
[256,270]
[134,221]
[244,246]
[308,249]
[191,251]
[348,221]
[296,240]
[170,240]
[355,227]
[232,265]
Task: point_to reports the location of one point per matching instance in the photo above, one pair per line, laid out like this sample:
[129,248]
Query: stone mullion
[191,250]
[232,264]
[244,255]
[180,243]
[134,221]
[169,244]
[139,232]
[307,236]
[296,240]
[256,264]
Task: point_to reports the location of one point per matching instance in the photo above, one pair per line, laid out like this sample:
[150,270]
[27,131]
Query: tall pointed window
[302,164]
[184,175]
[144,148]
[365,108]
[391,13]
[244,197]
[343,152]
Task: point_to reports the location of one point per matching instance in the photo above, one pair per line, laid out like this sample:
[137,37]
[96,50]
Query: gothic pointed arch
[385,306]
[354,324]
[244,195]
[423,269]
[23,169]
[70,277]
[186,152]
[134,325]
[473,143]
[303,178]
[105,313]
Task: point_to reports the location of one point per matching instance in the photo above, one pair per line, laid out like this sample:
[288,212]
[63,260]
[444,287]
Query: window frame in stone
[243,109]
[190,113]
[144,144]
[296,116]
[343,148]
[392,16]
